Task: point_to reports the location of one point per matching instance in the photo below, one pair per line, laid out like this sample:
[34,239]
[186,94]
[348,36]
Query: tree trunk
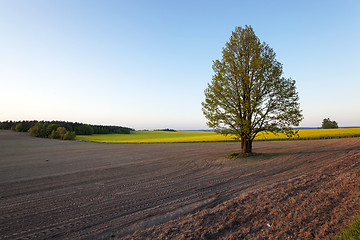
[246,146]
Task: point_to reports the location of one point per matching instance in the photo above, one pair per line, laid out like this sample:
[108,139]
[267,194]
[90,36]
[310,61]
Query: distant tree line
[61,129]
[166,130]
[100,129]
[19,126]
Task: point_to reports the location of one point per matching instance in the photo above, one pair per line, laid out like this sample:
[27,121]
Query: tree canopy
[248,94]
[328,124]
[79,128]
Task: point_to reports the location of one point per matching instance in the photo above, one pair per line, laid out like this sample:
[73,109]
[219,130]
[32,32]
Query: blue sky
[146,64]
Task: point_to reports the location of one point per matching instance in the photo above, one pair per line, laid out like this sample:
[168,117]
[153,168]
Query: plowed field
[78,190]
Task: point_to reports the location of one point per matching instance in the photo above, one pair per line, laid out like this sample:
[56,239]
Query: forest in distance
[78,128]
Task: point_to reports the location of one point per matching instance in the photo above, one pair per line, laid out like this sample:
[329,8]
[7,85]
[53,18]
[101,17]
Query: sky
[146,64]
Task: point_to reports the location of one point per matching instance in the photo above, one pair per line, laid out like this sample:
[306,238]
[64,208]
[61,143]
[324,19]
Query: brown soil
[77,190]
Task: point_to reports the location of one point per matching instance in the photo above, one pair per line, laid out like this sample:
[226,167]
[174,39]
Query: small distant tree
[248,93]
[61,131]
[38,130]
[328,124]
[19,127]
[55,135]
[69,136]
[50,129]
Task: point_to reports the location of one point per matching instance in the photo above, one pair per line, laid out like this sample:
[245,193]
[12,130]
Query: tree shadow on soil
[239,161]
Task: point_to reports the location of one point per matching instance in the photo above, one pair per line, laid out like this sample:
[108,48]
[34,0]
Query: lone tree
[248,94]
[327,124]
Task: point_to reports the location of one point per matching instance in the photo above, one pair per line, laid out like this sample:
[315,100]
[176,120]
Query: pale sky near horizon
[146,64]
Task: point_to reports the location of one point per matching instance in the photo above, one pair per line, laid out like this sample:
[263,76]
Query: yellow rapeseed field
[314,134]
[207,136]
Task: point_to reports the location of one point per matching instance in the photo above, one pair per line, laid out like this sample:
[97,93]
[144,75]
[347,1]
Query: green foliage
[248,94]
[71,126]
[34,131]
[328,124]
[84,129]
[50,129]
[99,129]
[39,130]
[55,135]
[20,127]
[352,232]
[357,172]
[69,136]
[7,124]
[166,130]
[26,125]
[61,131]
[47,130]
